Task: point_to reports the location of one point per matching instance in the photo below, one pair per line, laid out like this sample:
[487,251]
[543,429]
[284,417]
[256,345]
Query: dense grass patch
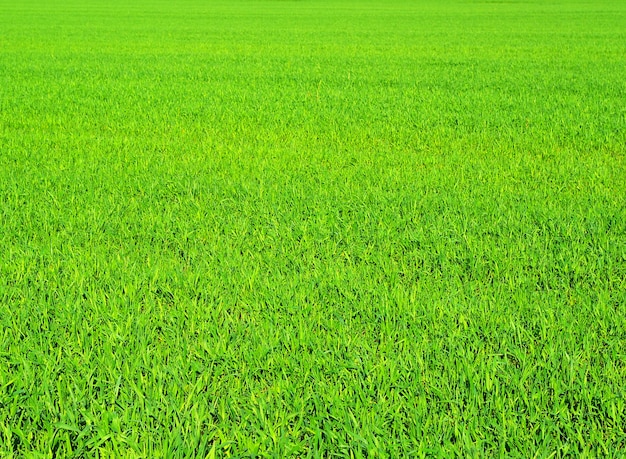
[306,228]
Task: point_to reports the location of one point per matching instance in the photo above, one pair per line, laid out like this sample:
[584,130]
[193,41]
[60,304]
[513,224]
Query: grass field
[312,228]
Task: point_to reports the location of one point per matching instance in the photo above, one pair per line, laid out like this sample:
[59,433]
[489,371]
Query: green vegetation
[311,229]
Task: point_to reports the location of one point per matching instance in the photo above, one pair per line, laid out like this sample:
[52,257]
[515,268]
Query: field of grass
[312,228]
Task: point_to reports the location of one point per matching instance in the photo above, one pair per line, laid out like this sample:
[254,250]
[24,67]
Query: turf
[312,229]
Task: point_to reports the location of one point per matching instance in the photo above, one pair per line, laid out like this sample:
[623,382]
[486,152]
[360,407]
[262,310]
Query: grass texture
[312,229]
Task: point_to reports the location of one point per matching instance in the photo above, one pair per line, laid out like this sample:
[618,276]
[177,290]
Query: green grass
[312,229]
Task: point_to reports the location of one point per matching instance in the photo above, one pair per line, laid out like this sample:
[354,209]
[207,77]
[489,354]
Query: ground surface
[305,228]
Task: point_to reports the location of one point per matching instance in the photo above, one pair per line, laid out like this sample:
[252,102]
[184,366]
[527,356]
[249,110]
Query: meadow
[269,228]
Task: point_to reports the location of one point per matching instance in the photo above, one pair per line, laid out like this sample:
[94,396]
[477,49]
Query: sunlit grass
[311,229]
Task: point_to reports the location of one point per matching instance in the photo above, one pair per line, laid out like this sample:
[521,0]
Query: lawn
[312,228]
